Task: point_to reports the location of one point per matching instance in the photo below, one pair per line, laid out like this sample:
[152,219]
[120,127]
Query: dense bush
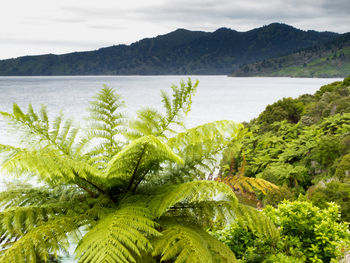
[332,192]
[327,150]
[310,230]
[282,258]
[343,168]
[248,246]
[273,198]
[286,109]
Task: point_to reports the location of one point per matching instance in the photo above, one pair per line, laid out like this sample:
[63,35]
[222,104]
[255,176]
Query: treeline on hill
[178,52]
[331,59]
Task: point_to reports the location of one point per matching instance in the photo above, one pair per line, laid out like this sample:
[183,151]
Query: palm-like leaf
[119,237]
[189,243]
[137,159]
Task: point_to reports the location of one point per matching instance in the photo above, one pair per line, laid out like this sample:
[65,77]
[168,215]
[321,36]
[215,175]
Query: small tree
[124,191]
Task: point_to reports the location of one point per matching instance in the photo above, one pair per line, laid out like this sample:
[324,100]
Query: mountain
[178,52]
[331,59]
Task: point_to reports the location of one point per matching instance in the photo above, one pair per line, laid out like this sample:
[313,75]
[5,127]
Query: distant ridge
[331,59]
[179,52]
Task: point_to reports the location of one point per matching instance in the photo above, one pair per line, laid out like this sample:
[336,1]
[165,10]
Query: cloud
[239,13]
[243,11]
[107,27]
[50,42]
[79,24]
[211,14]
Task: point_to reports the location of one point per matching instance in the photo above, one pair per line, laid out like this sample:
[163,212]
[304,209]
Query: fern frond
[190,192]
[249,185]
[62,135]
[182,243]
[50,166]
[91,183]
[256,221]
[200,146]
[146,124]
[26,195]
[206,214]
[137,158]
[106,122]
[50,238]
[152,122]
[17,221]
[119,237]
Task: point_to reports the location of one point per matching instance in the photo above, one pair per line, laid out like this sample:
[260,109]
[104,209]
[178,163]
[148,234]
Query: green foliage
[282,258]
[106,122]
[298,155]
[116,188]
[333,191]
[314,232]
[285,174]
[311,157]
[286,109]
[248,245]
[119,236]
[343,168]
[273,198]
[152,122]
[190,244]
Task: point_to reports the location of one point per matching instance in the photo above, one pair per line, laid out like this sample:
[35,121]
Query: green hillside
[327,60]
[178,52]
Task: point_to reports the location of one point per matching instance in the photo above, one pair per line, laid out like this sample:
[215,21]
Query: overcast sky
[30,27]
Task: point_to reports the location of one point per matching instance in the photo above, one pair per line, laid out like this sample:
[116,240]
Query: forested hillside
[178,52]
[302,146]
[331,59]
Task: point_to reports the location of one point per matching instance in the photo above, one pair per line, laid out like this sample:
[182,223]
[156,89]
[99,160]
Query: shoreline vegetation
[272,190]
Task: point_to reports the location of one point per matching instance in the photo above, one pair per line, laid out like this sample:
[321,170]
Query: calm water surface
[217,97]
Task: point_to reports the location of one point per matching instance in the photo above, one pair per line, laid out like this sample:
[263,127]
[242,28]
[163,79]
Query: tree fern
[123,190]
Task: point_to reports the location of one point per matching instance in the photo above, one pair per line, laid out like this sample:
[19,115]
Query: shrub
[248,246]
[285,174]
[327,150]
[275,197]
[286,109]
[332,192]
[343,168]
[313,231]
[281,258]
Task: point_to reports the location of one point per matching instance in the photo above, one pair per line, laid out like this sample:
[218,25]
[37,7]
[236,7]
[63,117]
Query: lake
[217,97]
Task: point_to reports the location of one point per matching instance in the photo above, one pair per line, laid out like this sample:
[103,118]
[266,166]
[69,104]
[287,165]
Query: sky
[61,26]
